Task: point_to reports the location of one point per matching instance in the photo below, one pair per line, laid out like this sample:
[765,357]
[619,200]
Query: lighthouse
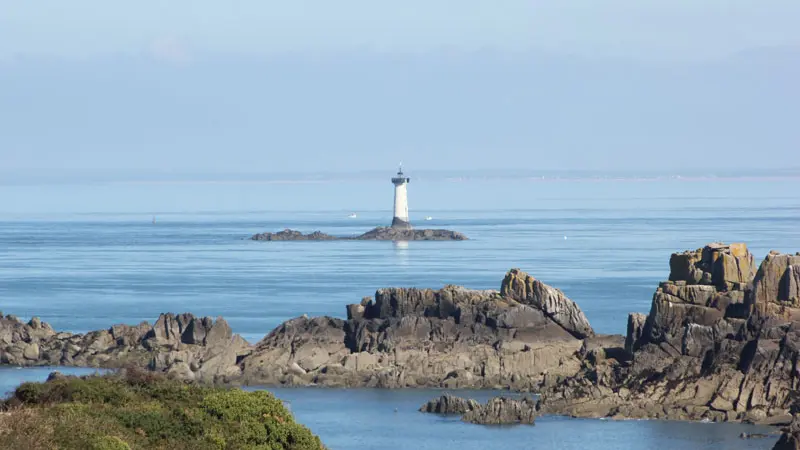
[400,182]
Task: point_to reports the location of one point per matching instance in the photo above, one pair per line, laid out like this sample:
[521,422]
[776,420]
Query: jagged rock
[181,345]
[717,345]
[449,404]
[636,323]
[503,411]
[724,266]
[525,289]
[775,287]
[452,338]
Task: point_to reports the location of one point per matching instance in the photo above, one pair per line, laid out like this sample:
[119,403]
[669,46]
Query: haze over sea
[84,256]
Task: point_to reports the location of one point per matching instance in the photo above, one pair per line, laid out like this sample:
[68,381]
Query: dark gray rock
[293,235]
[503,411]
[376,234]
[449,404]
[410,234]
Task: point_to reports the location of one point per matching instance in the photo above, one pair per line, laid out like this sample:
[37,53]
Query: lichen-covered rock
[449,404]
[721,265]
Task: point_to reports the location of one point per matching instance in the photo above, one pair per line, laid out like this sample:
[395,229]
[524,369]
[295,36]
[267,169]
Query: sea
[84,256]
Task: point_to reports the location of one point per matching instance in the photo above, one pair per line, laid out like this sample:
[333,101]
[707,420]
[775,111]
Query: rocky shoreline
[403,337]
[721,343]
[376,234]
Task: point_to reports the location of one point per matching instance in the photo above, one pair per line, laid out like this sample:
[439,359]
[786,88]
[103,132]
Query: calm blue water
[92,261]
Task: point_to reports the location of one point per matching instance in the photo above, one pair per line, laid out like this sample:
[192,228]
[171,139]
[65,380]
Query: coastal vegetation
[143,410]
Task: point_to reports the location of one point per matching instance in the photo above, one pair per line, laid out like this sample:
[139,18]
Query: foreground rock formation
[376,234]
[451,337]
[721,342]
[497,411]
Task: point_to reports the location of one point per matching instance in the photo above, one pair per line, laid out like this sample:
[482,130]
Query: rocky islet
[376,234]
[497,411]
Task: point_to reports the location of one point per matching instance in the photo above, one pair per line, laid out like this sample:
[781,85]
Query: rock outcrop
[410,234]
[449,405]
[451,337]
[503,411]
[376,234]
[496,411]
[448,338]
[183,345]
[293,235]
[720,343]
[552,302]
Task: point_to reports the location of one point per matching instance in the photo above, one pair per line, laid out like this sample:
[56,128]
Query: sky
[312,86]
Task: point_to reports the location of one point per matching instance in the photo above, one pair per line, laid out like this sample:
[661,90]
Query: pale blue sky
[655,29]
[271,86]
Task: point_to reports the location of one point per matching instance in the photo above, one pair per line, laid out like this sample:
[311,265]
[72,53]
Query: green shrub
[115,412]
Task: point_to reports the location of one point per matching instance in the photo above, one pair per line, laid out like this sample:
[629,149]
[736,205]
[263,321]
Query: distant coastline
[89,178]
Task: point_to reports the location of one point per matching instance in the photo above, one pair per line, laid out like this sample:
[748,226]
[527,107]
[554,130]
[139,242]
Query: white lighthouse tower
[400,219]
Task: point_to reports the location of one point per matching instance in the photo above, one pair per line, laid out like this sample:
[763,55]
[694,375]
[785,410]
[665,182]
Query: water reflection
[401,251]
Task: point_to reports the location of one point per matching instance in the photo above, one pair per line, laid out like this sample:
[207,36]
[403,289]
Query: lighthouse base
[400,223]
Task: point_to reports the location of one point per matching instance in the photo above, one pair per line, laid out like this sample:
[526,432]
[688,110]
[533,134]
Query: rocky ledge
[376,234]
[721,343]
[452,337]
[497,411]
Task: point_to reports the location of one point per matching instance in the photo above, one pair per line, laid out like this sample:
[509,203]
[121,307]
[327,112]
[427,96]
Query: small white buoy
[565,238]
